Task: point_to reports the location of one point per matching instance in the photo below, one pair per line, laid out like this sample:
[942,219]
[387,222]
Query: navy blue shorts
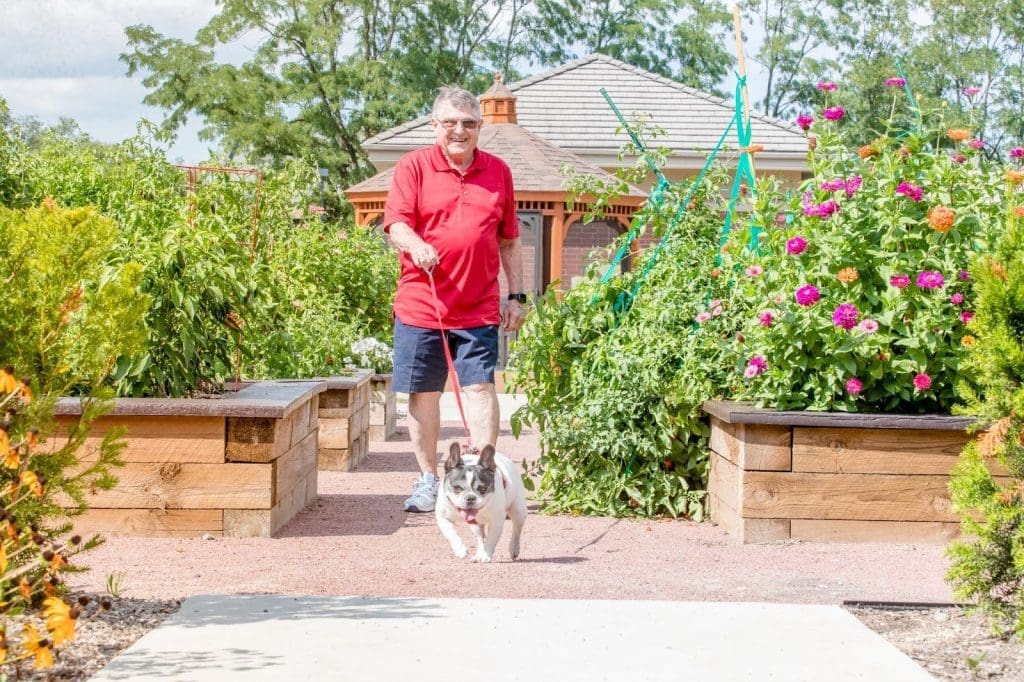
[420,366]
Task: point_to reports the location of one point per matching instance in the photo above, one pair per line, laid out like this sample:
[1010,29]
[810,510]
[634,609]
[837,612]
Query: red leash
[448,358]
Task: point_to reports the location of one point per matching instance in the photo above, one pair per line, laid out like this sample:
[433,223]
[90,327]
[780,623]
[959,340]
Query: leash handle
[448,358]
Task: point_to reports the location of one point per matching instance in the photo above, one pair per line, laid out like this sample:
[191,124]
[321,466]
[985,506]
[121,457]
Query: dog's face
[469,486]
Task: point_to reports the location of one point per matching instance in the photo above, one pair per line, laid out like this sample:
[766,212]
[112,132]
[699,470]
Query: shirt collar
[439,160]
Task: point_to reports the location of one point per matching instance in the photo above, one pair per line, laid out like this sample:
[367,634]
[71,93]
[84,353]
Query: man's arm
[423,254]
[511,251]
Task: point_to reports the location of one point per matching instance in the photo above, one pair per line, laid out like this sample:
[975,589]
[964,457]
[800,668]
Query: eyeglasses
[451,123]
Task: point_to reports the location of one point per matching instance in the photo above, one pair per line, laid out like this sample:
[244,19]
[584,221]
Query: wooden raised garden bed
[383,408]
[832,477]
[344,412]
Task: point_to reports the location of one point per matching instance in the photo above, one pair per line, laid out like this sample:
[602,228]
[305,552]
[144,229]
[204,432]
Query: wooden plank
[144,485]
[150,522]
[813,530]
[889,451]
[299,420]
[292,468]
[752,447]
[338,433]
[747,531]
[724,480]
[152,439]
[745,413]
[259,440]
[878,497]
[336,398]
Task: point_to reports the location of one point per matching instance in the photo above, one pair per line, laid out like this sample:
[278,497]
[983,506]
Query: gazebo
[556,243]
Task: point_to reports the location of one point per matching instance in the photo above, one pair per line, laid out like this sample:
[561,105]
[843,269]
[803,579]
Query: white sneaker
[424,494]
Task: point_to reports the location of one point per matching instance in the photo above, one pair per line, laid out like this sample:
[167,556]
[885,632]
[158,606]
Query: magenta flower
[868,326]
[756,366]
[910,190]
[895,82]
[1017,153]
[833,113]
[853,184]
[900,281]
[826,86]
[959,158]
[976,144]
[966,316]
[922,382]
[964,275]
[754,271]
[854,386]
[930,279]
[766,318]
[807,295]
[796,245]
[845,316]
[703,317]
[971,91]
[823,210]
[833,185]
[805,121]
[957,298]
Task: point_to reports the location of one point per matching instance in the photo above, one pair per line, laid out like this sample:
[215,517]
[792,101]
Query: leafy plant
[988,564]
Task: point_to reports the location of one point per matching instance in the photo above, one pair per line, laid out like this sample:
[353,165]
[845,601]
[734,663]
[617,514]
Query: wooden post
[741,65]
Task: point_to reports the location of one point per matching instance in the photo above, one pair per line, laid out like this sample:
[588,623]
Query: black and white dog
[481,490]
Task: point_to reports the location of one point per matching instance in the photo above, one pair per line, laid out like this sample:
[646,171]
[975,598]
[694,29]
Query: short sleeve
[400,205]
[510,219]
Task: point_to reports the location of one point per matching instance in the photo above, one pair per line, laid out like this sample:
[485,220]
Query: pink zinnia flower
[1017,153]
[716,311]
[766,318]
[895,82]
[971,91]
[922,382]
[845,316]
[854,386]
[910,190]
[756,366]
[853,184]
[833,185]
[976,144]
[807,295]
[900,281]
[868,326]
[823,210]
[805,121]
[930,279]
[959,158]
[833,113]
[957,298]
[754,271]
[966,316]
[703,317]
[826,86]
[796,245]
[964,275]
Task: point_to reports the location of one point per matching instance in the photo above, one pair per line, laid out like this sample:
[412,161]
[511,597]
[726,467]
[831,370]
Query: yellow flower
[3,558]
[3,646]
[847,275]
[12,460]
[25,587]
[8,384]
[30,480]
[958,134]
[60,619]
[58,562]
[941,218]
[968,340]
[5,440]
[38,647]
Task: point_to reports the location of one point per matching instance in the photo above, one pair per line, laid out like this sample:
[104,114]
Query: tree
[678,39]
[325,75]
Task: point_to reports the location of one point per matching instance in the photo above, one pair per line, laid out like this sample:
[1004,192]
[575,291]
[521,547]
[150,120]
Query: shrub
[988,565]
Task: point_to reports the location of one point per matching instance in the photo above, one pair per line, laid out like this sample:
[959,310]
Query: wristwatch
[518,297]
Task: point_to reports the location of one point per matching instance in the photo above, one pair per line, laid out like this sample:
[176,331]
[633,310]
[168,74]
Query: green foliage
[70,308]
[988,565]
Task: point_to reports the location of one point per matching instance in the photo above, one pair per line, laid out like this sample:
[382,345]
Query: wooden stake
[741,65]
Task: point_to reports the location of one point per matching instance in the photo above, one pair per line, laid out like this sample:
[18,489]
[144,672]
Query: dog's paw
[513,549]
[481,558]
[460,552]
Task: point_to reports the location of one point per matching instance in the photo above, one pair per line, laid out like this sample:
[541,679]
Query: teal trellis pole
[744,173]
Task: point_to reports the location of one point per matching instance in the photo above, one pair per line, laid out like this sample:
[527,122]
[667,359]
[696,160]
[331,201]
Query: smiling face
[458,142]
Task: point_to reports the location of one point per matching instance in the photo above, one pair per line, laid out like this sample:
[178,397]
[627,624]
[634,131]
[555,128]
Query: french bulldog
[481,490]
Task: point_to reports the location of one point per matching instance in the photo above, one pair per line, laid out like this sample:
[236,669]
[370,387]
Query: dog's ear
[487,457]
[454,457]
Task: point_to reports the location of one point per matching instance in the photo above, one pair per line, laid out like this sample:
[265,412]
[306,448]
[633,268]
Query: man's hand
[423,255]
[514,315]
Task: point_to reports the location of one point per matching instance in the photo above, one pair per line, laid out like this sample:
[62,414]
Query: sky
[60,58]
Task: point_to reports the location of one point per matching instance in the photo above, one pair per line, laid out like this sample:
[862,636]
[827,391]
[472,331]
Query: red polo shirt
[462,215]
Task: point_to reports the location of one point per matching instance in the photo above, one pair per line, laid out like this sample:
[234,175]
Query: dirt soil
[356,540]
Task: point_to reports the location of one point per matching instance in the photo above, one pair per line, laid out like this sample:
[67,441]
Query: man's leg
[424,425]
[481,403]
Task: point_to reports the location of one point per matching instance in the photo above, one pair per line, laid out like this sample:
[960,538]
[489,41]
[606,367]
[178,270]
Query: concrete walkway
[438,640]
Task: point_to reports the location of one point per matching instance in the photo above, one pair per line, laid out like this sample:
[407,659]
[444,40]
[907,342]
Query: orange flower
[49,202]
[1014,177]
[5,441]
[968,340]
[25,587]
[38,647]
[941,218]
[867,151]
[3,646]
[998,270]
[58,561]
[60,619]
[30,480]
[13,459]
[4,562]
[958,134]
[8,384]
[1019,211]
[847,275]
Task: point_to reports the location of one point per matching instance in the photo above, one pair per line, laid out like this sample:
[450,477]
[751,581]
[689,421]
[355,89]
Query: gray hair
[463,100]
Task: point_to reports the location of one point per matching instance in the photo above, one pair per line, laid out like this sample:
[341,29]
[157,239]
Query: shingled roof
[565,108]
